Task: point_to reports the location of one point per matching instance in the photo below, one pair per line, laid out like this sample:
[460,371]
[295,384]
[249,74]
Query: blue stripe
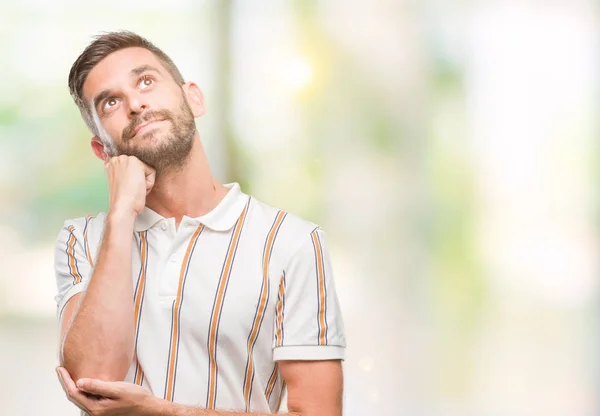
[170,346]
[215,303]
[225,294]
[74,257]
[141,268]
[257,309]
[85,242]
[145,268]
[69,257]
[324,288]
[267,394]
[318,290]
[283,308]
[187,268]
[268,297]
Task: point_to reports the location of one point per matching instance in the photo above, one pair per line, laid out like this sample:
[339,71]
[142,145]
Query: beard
[167,152]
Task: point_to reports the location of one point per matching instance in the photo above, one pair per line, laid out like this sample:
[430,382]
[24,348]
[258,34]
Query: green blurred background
[448,148]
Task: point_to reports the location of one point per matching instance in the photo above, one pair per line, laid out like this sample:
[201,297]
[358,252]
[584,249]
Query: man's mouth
[144,125]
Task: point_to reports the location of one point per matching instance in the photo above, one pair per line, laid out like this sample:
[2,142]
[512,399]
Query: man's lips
[141,126]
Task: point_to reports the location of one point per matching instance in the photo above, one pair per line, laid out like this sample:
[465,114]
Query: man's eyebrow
[143,68]
[100,97]
[134,72]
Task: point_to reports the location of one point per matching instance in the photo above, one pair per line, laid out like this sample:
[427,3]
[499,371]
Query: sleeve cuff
[73,290]
[313,352]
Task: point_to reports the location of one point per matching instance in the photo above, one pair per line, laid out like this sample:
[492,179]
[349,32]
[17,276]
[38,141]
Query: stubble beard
[164,153]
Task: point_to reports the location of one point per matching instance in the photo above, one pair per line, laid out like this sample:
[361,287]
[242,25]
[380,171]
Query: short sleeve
[308,323]
[72,264]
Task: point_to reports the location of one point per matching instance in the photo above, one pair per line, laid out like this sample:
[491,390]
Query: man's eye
[110,103]
[145,82]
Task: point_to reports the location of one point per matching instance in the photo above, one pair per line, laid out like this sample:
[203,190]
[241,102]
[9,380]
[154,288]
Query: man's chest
[211,287]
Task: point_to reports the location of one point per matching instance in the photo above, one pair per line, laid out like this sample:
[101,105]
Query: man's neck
[190,190]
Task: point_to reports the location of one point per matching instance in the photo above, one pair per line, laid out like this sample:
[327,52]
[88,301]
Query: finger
[65,379]
[99,387]
[150,179]
[62,381]
[148,171]
[73,394]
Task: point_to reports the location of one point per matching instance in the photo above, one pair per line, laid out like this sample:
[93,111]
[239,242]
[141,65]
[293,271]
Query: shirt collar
[222,217]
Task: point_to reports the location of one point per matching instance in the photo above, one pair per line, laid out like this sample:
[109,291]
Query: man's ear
[98,149]
[194,97]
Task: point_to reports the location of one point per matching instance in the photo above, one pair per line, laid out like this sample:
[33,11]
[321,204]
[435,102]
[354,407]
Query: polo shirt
[218,301]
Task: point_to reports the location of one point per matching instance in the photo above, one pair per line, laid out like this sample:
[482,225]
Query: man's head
[135,101]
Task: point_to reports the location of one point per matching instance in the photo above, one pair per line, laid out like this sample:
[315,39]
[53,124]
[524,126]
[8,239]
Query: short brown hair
[102,46]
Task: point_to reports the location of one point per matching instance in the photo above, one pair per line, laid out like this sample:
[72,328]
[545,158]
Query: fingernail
[80,383]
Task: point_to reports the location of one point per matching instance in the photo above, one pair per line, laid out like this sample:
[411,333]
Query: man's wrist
[120,217]
[153,406]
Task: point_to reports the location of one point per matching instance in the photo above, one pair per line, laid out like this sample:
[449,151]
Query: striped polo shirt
[219,300]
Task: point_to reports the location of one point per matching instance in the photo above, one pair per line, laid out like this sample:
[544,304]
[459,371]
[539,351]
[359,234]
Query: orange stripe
[176,307]
[139,374]
[271,383]
[321,283]
[279,336]
[216,313]
[261,308]
[71,254]
[85,234]
[280,396]
[138,301]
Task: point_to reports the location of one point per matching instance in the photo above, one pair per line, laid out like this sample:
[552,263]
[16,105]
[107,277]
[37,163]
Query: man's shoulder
[289,224]
[85,224]
[288,232]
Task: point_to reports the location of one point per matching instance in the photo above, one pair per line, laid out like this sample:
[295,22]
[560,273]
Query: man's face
[139,109]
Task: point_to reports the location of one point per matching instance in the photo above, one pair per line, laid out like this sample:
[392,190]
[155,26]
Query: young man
[187,297]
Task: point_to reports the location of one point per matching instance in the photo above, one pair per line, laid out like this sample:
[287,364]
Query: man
[187,297]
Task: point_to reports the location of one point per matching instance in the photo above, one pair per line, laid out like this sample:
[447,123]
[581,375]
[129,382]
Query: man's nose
[136,105]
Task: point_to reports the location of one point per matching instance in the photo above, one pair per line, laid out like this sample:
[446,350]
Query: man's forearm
[99,341]
[159,407]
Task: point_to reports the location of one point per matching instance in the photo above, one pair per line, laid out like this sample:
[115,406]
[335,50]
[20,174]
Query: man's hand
[101,398]
[129,181]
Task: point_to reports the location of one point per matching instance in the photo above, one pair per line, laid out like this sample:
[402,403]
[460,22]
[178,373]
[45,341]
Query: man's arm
[97,327]
[314,389]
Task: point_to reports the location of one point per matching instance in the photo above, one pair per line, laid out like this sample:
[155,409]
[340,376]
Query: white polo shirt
[219,300]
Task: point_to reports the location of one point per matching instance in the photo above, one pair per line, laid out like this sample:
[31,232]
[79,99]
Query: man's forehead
[116,68]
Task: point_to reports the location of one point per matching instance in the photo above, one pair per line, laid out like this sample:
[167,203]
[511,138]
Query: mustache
[149,115]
